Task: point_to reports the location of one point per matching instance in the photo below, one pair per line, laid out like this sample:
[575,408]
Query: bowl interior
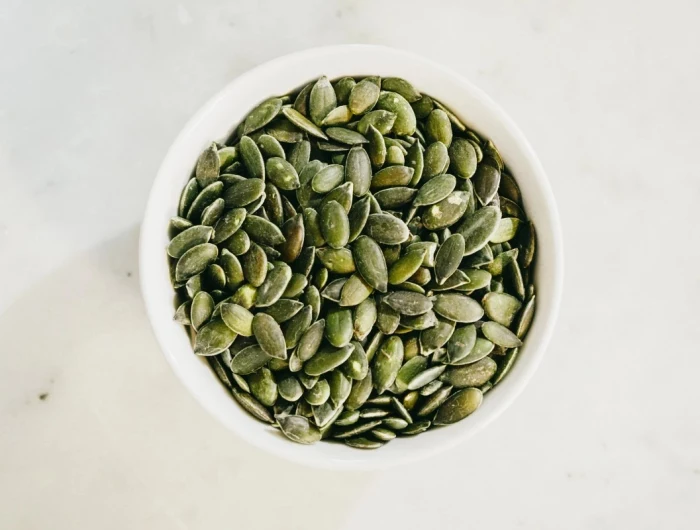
[216,120]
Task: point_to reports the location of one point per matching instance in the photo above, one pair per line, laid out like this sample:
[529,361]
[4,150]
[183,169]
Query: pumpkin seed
[282,174]
[301,102]
[263,231]
[436,160]
[347,417]
[254,264]
[299,429]
[262,115]
[448,257]
[405,123]
[438,127]
[271,147]
[239,243]
[407,372]
[505,366]
[458,307]
[475,374]
[363,97]
[327,359]
[406,266]
[357,365]
[301,121]
[458,406]
[274,285]
[269,335]
[205,197]
[357,429]
[436,337]
[478,228]
[446,212]
[189,194]
[501,307]
[329,178]
[361,389]
[387,363]
[263,386]
[290,389]
[464,159]
[318,394]
[296,326]
[500,335]
[338,116]
[354,291]
[322,100]
[409,402]
[434,401]
[525,319]
[189,238]
[300,155]
[343,87]
[253,406]
[431,388]
[409,303]
[207,170]
[335,226]
[339,326]
[392,176]
[386,229]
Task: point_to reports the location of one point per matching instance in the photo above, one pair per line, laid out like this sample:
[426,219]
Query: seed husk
[406,266]
[363,97]
[436,160]
[269,335]
[408,371]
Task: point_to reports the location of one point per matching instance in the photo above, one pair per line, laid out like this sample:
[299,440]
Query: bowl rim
[557,261]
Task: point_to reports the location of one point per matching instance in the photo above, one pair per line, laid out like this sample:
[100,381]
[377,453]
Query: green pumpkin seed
[295,286]
[339,326]
[348,417]
[448,257]
[238,318]
[409,303]
[263,386]
[342,194]
[505,366]
[273,206]
[506,230]
[370,263]
[308,381]
[335,226]
[458,281]
[318,394]
[363,97]
[338,116]
[417,428]
[179,223]
[395,156]
[403,408]
[395,424]
[262,115]
[463,159]
[246,295]
[213,338]
[402,87]
[407,372]
[406,266]
[435,190]
[269,335]
[249,360]
[239,243]
[500,335]
[436,160]
[357,364]
[244,193]
[310,340]
[446,212]
[438,127]
[425,377]
[419,322]
[207,170]
[322,100]
[300,155]
[254,264]
[189,238]
[321,278]
[343,87]
[434,338]
[392,176]
[215,277]
[299,429]
[327,359]
[357,429]
[388,319]
[461,343]
[293,232]
[329,178]
[478,279]
[271,147]
[398,197]
[290,389]
[263,231]
[458,307]
[296,326]
[365,316]
[376,147]
[201,309]
[252,158]
[387,363]
[282,174]
[382,120]
[431,388]
[369,413]
[422,107]
[340,387]
[301,121]
[358,170]
[475,374]
[274,285]
[501,307]
[189,194]
[430,248]
[460,405]
[478,228]
[486,181]
[228,224]
[195,260]
[434,401]
[182,314]
[386,229]
[203,199]
[525,319]
[301,102]
[253,406]
[405,123]
[313,228]
[304,264]
[211,213]
[354,291]
[339,261]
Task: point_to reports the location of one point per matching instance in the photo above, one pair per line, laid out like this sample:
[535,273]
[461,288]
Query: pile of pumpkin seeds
[354,263]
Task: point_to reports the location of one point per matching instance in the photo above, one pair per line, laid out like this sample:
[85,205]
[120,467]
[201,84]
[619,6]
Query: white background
[607,436]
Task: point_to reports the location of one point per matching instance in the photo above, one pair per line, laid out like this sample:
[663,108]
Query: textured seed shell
[263,386]
[203,199]
[408,371]
[409,303]
[460,405]
[322,100]
[207,170]
[363,97]
[395,198]
[296,326]
[438,127]
[486,181]
[475,374]
[392,176]
[500,335]
[299,429]
[405,124]
[262,115]
[358,170]
[311,340]
[327,359]
[189,238]
[446,212]
[263,231]
[406,266]
[435,190]
[386,363]
[463,158]
[201,309]
[376,147]
[189,194]
[282,174]
[252,158]
[506,230]
[301,121]
[370,262]
[334,223]
[501,307]
[434,338]
[253,406]
[361,390]
[382,120]
[478,228]
[274,285]
[293,231]
[449,257]
[195,260]
[269,335]
[525,319]
[458,307]
[436,160]
[402,87]
[461,343]
[289,388]
[338,116]
[238,318]
[354,291]
[328,178]
[213,338]
[228,224]
[386,229]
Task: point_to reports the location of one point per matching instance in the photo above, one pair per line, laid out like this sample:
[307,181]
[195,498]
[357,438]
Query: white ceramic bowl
[217,119]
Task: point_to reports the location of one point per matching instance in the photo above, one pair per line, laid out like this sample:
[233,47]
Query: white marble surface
[606,437]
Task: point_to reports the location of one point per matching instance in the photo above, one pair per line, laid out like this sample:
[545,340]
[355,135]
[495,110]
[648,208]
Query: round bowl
[218,118]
